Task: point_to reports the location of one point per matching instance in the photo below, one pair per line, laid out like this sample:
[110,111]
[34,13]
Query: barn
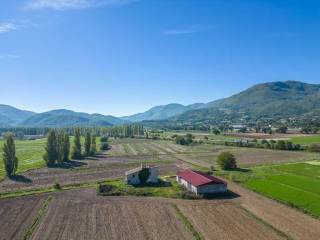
[200,182]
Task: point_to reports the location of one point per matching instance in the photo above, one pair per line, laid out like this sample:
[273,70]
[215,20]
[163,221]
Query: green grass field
[29,153]
[294,184]
[306,140]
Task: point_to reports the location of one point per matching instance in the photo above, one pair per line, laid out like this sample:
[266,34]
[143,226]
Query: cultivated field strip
[84,215]
[16,216]
[227,221]
[293,223]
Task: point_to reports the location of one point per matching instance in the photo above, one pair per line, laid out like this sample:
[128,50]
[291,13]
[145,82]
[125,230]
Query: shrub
[227,161]
[314,148]
[180,140]
[105,188]
[104,146]
[57,186]
[104,139]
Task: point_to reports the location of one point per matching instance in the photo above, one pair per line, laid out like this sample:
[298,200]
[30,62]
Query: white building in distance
[132,176]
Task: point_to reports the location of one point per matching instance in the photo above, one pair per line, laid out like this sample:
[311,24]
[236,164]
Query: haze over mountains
[274,99]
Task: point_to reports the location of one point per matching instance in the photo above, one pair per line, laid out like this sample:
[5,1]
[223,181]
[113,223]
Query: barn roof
[197,178]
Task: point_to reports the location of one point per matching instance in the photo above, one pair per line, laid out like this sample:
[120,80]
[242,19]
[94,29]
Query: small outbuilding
[200,182]
[134,176]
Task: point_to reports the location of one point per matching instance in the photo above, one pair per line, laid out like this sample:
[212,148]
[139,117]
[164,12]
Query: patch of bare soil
[84,215]
[293,223]
[16,215]
[227,221]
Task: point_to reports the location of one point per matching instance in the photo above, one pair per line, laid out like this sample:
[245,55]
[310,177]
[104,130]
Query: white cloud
[187,30]
[7,27]
[8,56]
[74,4]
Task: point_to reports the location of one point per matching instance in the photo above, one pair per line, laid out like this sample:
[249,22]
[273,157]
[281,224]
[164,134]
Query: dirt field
[81,214]
[84,215]
[17,214]
[227,221]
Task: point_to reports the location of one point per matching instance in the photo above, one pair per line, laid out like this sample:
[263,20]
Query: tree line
[57,148]
[122,131]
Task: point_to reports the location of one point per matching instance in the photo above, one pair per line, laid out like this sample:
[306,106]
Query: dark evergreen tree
[10,160]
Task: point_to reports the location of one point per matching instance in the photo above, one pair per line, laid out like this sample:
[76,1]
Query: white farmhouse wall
[133,178]
[154,175]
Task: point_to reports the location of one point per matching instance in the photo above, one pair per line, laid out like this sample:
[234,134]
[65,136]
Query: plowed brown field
[84,215]
[16,215]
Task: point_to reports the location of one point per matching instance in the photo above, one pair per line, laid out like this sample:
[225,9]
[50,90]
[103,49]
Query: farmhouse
[201,183]
[132,176]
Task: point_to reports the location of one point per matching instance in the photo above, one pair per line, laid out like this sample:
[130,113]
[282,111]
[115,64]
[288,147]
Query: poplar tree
[60,146]
[93,146]
[51,154]
[87,144]
[76,148]
[9,155]
[66,146]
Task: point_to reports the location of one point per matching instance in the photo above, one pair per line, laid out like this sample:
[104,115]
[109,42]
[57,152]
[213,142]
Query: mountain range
[269,100]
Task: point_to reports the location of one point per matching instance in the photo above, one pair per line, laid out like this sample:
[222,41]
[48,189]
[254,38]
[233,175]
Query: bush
[57,186]
[314,148]
[104,146]
[104,139]
[180,140]
[104,188]
[227,161]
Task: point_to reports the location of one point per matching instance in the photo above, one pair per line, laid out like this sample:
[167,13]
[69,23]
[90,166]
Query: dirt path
[293,223]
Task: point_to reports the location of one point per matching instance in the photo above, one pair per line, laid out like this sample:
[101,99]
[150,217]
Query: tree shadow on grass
[70,164]
[240,170]
[20,178]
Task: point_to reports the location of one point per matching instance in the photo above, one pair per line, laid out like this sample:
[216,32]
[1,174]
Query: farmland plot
[16,216]
[84,215]
[227,221]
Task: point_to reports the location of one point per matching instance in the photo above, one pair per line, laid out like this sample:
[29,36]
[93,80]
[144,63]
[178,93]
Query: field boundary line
[279,232]
[37,219]
[196,235]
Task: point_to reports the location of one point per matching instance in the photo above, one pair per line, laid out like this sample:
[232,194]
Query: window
[133,176]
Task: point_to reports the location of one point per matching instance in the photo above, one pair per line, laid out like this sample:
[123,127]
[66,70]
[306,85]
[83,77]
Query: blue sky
[124,56]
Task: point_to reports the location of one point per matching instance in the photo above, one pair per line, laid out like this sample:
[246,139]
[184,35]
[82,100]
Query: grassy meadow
[29,153]
[295,184]
[306,140]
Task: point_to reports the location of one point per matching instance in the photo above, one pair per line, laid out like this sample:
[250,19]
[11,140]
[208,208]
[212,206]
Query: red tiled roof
[197,178]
